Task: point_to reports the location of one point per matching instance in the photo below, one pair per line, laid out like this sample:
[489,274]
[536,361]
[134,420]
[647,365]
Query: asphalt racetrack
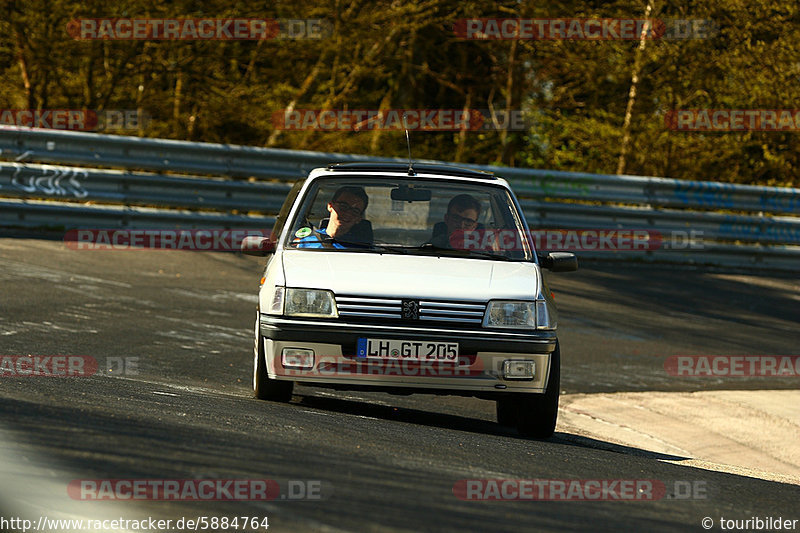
[183,408]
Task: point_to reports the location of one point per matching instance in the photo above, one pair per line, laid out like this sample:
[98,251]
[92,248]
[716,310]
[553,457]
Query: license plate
[409,350]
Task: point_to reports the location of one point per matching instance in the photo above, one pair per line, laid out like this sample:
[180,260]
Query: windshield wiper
[390,248]
[489,255]
[459,252]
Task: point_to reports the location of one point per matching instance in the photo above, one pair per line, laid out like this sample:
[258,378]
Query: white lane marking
[161,393]
[59,276]
[217,295]
[182,388]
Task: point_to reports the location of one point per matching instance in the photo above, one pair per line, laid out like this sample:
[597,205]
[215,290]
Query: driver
[347,211]
[463,213]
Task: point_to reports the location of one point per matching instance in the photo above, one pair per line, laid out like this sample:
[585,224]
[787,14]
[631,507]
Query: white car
[409,279]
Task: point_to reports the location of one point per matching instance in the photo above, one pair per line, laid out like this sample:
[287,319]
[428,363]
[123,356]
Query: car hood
[410,276]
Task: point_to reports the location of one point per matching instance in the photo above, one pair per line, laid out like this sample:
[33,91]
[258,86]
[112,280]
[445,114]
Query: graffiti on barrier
[52,181]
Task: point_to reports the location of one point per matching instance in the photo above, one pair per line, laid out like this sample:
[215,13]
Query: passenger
[346,224]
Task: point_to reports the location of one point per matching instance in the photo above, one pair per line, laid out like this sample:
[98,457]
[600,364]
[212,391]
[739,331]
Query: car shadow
[463,423]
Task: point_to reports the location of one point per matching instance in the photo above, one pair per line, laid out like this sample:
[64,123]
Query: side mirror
[258,246]
[559,261]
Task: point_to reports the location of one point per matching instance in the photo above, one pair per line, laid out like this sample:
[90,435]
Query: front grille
[375,309]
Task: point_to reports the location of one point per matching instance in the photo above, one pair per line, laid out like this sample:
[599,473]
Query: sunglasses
[347,208]
[462,221]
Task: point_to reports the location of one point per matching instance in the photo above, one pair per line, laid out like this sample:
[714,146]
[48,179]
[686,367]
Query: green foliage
[396,54]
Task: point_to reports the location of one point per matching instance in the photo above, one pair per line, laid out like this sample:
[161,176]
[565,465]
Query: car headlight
[518,315]
[310,302]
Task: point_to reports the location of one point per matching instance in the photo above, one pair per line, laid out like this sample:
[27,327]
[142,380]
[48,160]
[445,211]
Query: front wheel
[537,413]
[265,388]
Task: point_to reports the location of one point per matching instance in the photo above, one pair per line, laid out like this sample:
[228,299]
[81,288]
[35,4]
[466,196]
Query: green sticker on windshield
[302,232]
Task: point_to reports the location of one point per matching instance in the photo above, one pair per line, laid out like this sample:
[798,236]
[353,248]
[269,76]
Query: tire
[265,388]
[537,413]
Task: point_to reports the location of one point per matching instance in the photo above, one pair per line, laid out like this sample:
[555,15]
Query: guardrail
[739,224]
[268,163]
[137,188]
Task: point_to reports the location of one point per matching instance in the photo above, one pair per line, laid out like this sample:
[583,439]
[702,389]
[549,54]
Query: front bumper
[479,367]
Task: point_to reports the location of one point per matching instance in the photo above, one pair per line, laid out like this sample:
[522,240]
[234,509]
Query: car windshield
[381,214]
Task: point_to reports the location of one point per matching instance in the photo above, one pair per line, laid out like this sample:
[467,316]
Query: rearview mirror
[258,246]
[407,194]
[559,261]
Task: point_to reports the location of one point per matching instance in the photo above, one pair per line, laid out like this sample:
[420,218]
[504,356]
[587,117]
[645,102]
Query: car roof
[415,169]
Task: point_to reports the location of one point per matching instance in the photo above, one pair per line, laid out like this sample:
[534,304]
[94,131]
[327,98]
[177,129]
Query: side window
[280,221]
